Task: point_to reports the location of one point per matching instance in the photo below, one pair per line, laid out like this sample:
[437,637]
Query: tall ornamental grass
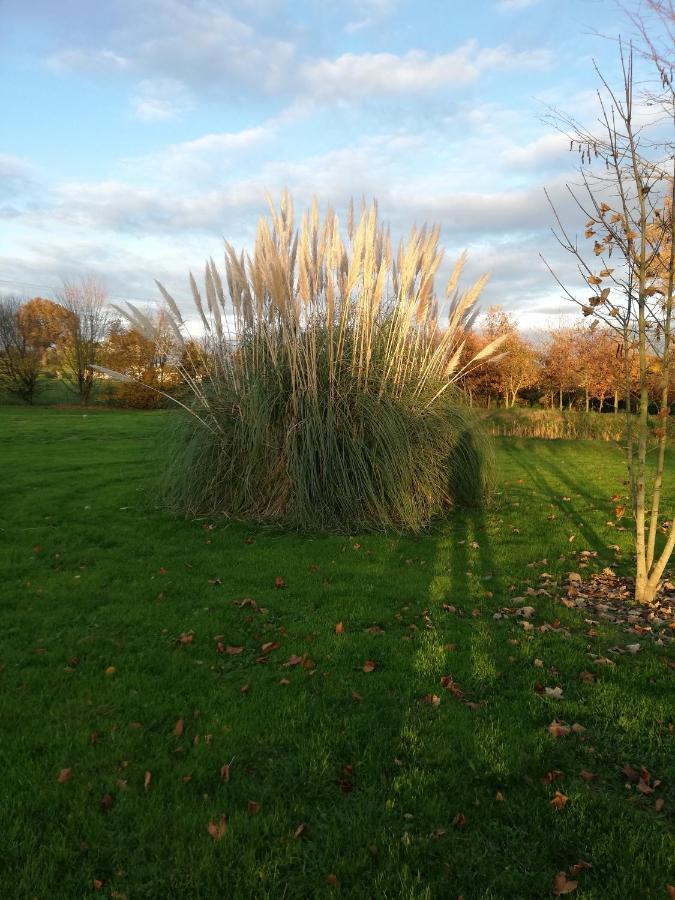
[322,392]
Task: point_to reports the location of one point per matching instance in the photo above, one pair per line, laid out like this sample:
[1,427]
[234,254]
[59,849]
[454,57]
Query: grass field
[342,782]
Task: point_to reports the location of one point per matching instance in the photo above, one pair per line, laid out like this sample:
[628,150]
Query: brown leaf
[499,797]
[587,677]
[245,688]
[253,808]
[630,773]
[559,800]
[557,729]
[217,829]
[233,651]
[339,628]
[356,697]
[294,660]
[332,880]
[147,778]
[106,802]
[459,821]
[551,776]
[299,831]
[97,884]
[658,805]
[179,728]
[369,665]
[588,776]
[579,867]
[279,583]
[561,885]
[269,646]
[431,699]
[185,638]
[64,775]
[225,772]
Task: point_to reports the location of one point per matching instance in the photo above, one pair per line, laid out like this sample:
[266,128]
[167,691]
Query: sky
[137,134]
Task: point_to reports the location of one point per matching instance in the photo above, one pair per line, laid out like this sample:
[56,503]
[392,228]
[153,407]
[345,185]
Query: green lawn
[398,798]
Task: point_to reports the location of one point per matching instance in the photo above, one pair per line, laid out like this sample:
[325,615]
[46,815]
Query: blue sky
[138,133]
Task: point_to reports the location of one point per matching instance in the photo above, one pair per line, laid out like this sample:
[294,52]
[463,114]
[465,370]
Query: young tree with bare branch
[89,321]
[626,195]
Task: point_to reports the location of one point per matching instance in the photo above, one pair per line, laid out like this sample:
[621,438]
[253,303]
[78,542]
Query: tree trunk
[561,400]
[616,402]
[588,409]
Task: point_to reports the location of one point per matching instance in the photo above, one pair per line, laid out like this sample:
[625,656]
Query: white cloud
[543,151]
[159,100]
[355,76]
[199,44]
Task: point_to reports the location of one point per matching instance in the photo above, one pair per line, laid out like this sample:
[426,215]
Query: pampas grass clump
[322,393]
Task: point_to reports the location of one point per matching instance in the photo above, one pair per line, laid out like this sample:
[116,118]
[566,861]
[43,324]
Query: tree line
[562,366]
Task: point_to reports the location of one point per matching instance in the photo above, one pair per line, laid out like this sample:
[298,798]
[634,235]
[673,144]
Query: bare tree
[626,195]
[89,322]
[19,358]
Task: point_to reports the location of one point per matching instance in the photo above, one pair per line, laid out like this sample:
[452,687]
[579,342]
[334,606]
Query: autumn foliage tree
[514,369]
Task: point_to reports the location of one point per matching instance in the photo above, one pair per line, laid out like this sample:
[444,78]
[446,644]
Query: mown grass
[92,570]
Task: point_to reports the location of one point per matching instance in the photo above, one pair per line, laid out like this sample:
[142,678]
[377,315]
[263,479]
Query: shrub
[326,397]
[554,424]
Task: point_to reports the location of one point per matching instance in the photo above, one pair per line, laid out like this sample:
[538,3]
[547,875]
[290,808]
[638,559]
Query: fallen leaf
[587,677]
[332,880]
[64,775]
[459,821]
[430,699]
[269,646]
[299,831]
[630,773]
[539,663]
[279,583]
[356,696]
[294,660]
[253,808]
[369,665]
[557,729]
[559,800]
[185,638]
[179,728]
[555,693]
[551,776]
[561,885]
[499,797]
[588,776]
[147,778]
[217,829]
[106,802]
[339,628]
[245,688]
[110,670]
[658,805]
[579,867]
[233,651]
